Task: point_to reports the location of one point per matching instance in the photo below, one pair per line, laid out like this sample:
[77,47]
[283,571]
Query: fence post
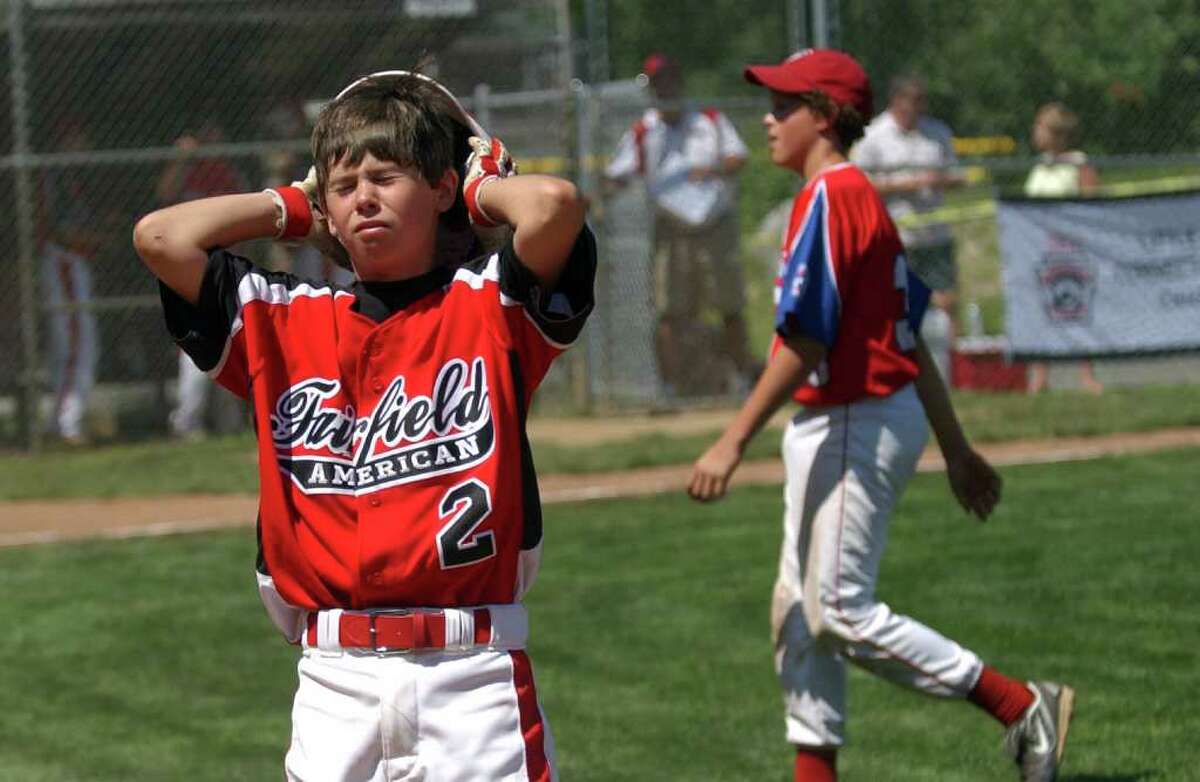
[797,24]
[826,24]
[574,170]
[584,154]
[26,249]
[596,21]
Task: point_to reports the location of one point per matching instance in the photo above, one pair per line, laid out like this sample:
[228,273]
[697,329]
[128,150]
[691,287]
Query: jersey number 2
[905,339]
[467,505]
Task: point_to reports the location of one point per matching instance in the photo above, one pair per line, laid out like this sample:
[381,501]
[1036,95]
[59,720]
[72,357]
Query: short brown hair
[1060,121]
[849,123]
[399,118]
[407,120]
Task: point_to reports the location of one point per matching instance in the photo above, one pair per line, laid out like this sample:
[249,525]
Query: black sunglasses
[782,107]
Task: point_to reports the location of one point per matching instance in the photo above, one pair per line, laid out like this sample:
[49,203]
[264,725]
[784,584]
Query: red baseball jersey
[844,281]
[394,470]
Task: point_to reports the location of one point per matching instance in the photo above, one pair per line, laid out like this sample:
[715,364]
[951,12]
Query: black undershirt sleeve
[560,313]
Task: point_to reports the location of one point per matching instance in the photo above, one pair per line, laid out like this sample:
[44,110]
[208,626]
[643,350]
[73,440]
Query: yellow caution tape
[982,210]
[974,175]
[555,164]
[984,145]
[979,210]
[1150,186]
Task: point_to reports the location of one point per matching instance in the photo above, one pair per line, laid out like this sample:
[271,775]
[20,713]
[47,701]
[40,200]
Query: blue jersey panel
[918,301]
[809,305]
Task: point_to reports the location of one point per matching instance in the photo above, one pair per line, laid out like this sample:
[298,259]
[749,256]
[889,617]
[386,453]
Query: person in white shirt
[910,159]
[688,157]
[1061,172]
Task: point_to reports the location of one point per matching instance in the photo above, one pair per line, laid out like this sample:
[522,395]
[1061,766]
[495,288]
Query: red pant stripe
[532,727]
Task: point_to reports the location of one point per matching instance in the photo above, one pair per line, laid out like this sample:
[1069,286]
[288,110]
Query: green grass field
[153,660]
[227,464]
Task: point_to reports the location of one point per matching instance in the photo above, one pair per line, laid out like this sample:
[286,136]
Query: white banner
[1101,277]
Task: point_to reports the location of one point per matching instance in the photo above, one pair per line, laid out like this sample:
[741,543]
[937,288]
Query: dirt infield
[46,521]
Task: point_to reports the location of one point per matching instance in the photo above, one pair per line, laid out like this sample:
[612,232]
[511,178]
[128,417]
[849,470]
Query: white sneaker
[1037,739]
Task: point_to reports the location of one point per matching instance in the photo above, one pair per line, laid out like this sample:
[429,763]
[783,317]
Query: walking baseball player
[848,311]
[399,519]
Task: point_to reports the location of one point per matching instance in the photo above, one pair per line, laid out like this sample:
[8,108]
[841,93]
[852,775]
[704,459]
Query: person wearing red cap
[847,349]
[688,159]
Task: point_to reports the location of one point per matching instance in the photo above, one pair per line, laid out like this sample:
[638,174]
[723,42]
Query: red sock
[816,765]
[1004,698]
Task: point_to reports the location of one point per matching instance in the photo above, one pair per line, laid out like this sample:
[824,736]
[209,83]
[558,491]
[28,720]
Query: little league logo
[1068,282]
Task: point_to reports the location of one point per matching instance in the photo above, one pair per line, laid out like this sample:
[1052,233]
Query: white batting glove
[301,218]
[309,186]
[489,160]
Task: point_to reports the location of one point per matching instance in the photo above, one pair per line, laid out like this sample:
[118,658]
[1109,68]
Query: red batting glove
[490,160]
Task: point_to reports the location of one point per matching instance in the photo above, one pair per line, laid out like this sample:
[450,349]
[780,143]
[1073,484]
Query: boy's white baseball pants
[847,466]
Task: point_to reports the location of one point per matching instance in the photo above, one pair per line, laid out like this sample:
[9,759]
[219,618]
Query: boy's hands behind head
[489,160]
[318,235]
[309,186]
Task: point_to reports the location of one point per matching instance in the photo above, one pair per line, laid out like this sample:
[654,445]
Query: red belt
[398,631]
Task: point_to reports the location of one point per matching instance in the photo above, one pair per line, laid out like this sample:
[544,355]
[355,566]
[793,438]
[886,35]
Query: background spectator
[688,157]
[71,233]
[910,158]
[1061,172]
[189,176]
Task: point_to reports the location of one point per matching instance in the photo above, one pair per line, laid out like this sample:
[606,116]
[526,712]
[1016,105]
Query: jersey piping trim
[829,267]
[531,499]
[491,273]
[549,340]
[257,287]
[218,367]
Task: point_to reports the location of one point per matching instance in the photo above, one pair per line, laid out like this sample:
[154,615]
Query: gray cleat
[1036,740]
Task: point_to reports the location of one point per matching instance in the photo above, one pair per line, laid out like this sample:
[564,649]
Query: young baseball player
[846,348]
[399,522]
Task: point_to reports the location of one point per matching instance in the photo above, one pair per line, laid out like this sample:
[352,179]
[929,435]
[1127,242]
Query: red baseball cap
[656,63]
[834,73]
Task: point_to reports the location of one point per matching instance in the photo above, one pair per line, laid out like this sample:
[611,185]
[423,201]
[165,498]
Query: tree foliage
[1129,68]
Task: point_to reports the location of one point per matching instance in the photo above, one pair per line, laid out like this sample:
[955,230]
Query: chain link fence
[624,368]
[1131,77]
[105,101]
[104,97]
